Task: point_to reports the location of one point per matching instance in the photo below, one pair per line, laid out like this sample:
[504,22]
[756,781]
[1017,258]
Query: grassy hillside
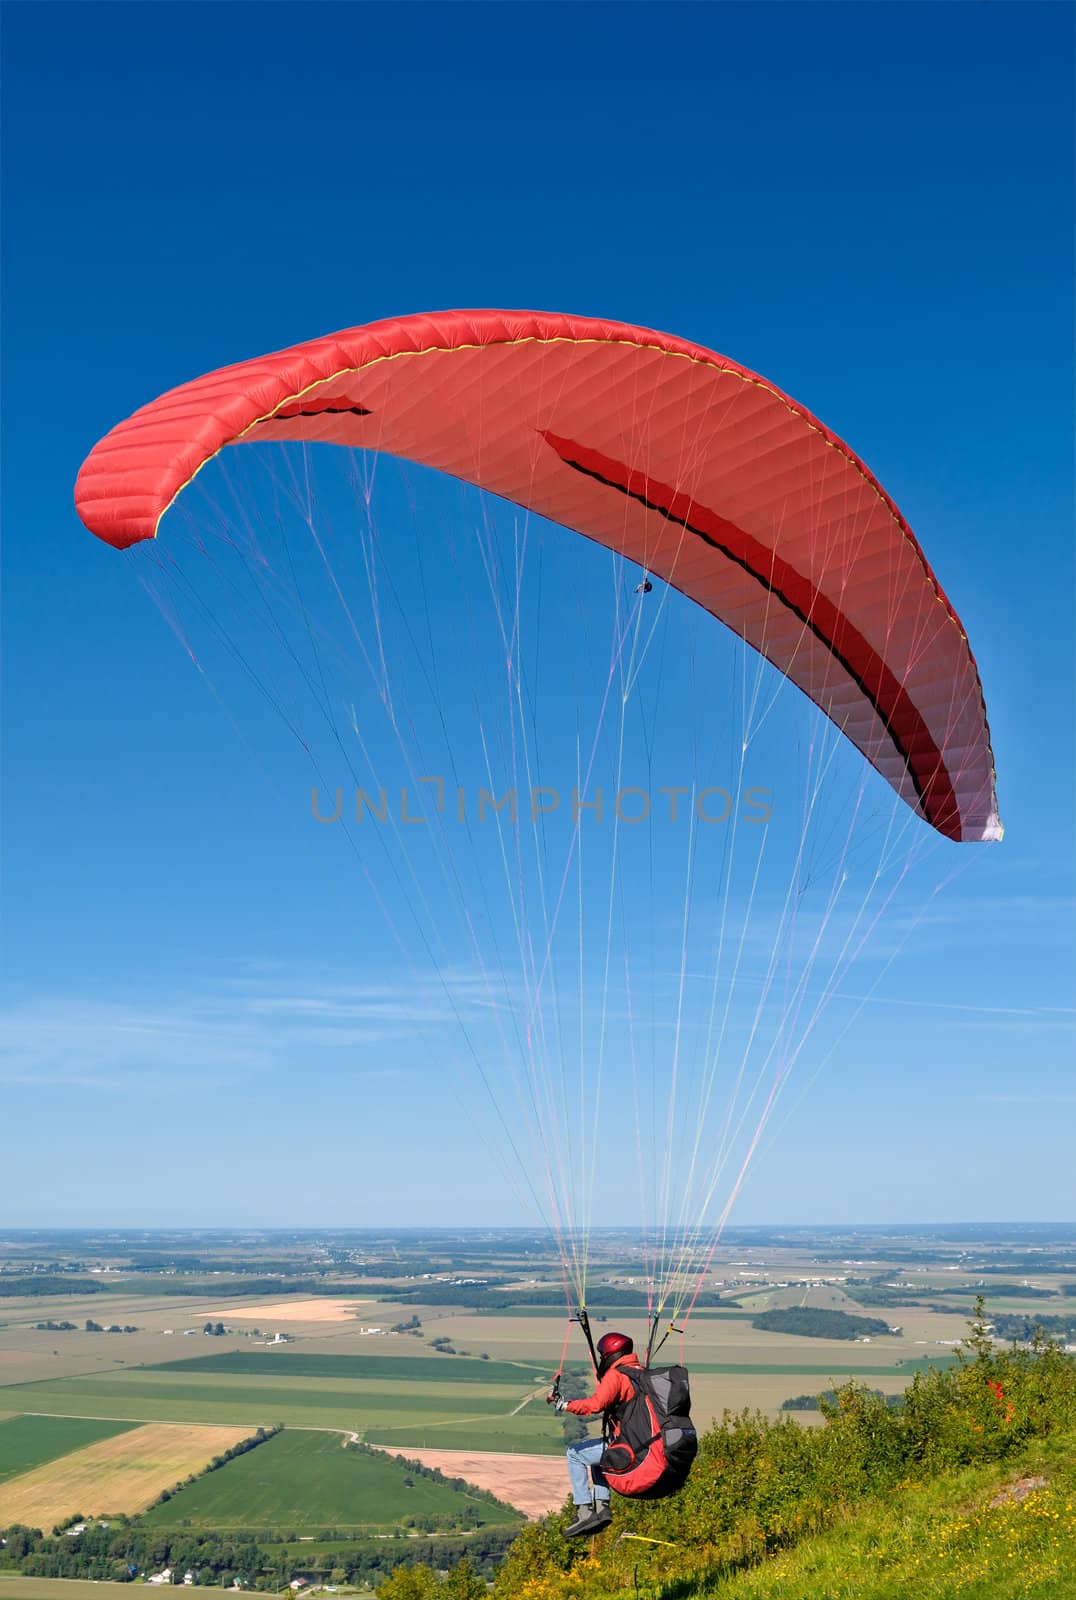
[967,1489]
[981,1534]
[984,1533]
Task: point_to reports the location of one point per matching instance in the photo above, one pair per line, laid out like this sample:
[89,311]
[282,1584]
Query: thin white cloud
[419,1003]
[1036,1022]
[220,1036]
[1027,1099]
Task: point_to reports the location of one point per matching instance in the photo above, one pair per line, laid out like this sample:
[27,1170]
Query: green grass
[307,1480]
[940,1541]
[350,1416]
[221,1391]
[148,1396]
[530,1433]
[27,1442]
[311,1552]
[409,1369]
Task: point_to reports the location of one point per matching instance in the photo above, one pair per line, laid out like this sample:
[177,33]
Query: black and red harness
[650,1440]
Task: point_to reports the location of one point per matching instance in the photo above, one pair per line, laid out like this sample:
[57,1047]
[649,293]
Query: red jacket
[612,1389]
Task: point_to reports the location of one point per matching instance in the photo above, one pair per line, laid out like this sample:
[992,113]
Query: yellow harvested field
[325,1310]
[125,1473]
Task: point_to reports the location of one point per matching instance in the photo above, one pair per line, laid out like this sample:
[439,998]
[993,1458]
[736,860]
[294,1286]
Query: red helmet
[611,1346]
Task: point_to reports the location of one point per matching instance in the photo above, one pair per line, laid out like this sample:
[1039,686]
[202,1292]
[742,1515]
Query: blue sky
[203,1020]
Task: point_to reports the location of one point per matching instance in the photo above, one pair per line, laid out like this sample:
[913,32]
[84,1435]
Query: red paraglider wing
[702,472]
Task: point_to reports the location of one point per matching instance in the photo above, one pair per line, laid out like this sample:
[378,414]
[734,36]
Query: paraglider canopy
[702,472]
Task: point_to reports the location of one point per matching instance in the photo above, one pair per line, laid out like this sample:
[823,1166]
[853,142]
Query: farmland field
[842,1369]
[397,1390]
[427,1399]
[322,1309]
[530,1433]
[535,1485]
[147,1396]
[122,1474]
[303,1363]
[28,1442]
[727,1340]
[308,1480]
[77,1393]
[13,1587]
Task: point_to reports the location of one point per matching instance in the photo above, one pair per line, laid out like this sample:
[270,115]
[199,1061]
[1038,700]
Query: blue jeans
[586,1454]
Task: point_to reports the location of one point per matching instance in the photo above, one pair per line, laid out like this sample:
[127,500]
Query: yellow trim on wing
[505,344]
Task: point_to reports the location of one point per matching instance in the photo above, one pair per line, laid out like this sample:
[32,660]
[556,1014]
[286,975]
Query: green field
[533,1432]
[454,1403]
[405,1369]
[137,1397]
[28,1442]
[309,1480]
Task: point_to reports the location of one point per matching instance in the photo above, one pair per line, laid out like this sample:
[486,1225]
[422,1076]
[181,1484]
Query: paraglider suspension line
[583,1320]
[652,1349]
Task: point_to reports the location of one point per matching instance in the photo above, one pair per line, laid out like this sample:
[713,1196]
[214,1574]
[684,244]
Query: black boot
[589,1520]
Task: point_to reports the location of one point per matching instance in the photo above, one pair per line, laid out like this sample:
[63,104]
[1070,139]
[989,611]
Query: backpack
[650,1453]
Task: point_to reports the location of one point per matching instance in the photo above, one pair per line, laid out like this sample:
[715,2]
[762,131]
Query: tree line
[1014,1325]
[41,1283]
[128,1548]
[818,1323]
[831,1398]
